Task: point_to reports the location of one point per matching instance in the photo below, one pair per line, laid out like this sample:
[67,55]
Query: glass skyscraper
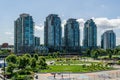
[90,34]
[37,41]
[72,35]
[24,34]
[108,40]
[53,32]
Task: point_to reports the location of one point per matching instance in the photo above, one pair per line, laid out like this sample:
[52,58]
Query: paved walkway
[103,75]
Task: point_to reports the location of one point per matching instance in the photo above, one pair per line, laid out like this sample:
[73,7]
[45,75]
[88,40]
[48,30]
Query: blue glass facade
[24,34]
[90,34]
[37,41]
[72,35]
[108,40]
[53,32]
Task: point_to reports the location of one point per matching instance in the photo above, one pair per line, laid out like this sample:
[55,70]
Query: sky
[105,13]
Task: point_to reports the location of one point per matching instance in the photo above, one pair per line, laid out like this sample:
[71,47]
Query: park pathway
[102,75]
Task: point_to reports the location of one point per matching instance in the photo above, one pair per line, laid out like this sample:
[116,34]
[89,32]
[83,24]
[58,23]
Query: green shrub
[118,62]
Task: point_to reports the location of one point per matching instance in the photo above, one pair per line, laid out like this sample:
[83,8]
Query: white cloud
[8,33]
[81,20]
[103,23]
[63,23]
[39,28]
[81,23]
[106,23]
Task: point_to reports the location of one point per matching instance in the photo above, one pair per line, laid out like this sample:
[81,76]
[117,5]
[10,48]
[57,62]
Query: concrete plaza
[102,75]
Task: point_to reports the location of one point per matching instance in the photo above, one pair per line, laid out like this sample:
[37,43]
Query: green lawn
[70,61]
[74,68]
[74,62]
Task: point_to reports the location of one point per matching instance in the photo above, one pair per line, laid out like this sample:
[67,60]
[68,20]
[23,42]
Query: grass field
[74,62]
[70,61]
[74,68]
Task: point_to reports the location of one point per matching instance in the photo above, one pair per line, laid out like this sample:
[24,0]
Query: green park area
[75,68]
[25,66]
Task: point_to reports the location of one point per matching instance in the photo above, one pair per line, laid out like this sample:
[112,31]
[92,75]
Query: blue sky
[106,14]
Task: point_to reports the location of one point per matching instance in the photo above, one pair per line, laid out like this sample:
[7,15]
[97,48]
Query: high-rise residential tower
[53,32]
[24,34]
[108,40]
[37,41]
[72,35]
[90,34]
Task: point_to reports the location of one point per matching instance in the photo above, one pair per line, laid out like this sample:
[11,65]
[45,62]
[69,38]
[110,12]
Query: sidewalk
[103,75]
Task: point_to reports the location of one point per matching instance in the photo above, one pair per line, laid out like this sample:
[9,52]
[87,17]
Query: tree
[88,53]
[118,62]
[94,54]
[49,55]
[118,53]
[42,58]
[23,62]
[11,67]
[110,53]
[1,52]
[57,53]
[27,55]
[54,55]
[101,52]
[110,56]
[42,63]
[11,58]
[36,56]
[33,63]
[20,62]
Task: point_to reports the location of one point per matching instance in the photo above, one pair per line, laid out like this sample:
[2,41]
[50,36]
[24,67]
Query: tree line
[24,65]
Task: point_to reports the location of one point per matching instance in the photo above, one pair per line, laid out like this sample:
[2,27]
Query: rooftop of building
[52,15]
[109,31]
[24,15]
[71,20]
[90,22]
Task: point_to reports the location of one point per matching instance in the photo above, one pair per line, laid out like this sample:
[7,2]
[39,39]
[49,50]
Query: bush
[59,59]
[11,58]
[84,66]
[42,63]
[23,72]
[118,62]
[22,77]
